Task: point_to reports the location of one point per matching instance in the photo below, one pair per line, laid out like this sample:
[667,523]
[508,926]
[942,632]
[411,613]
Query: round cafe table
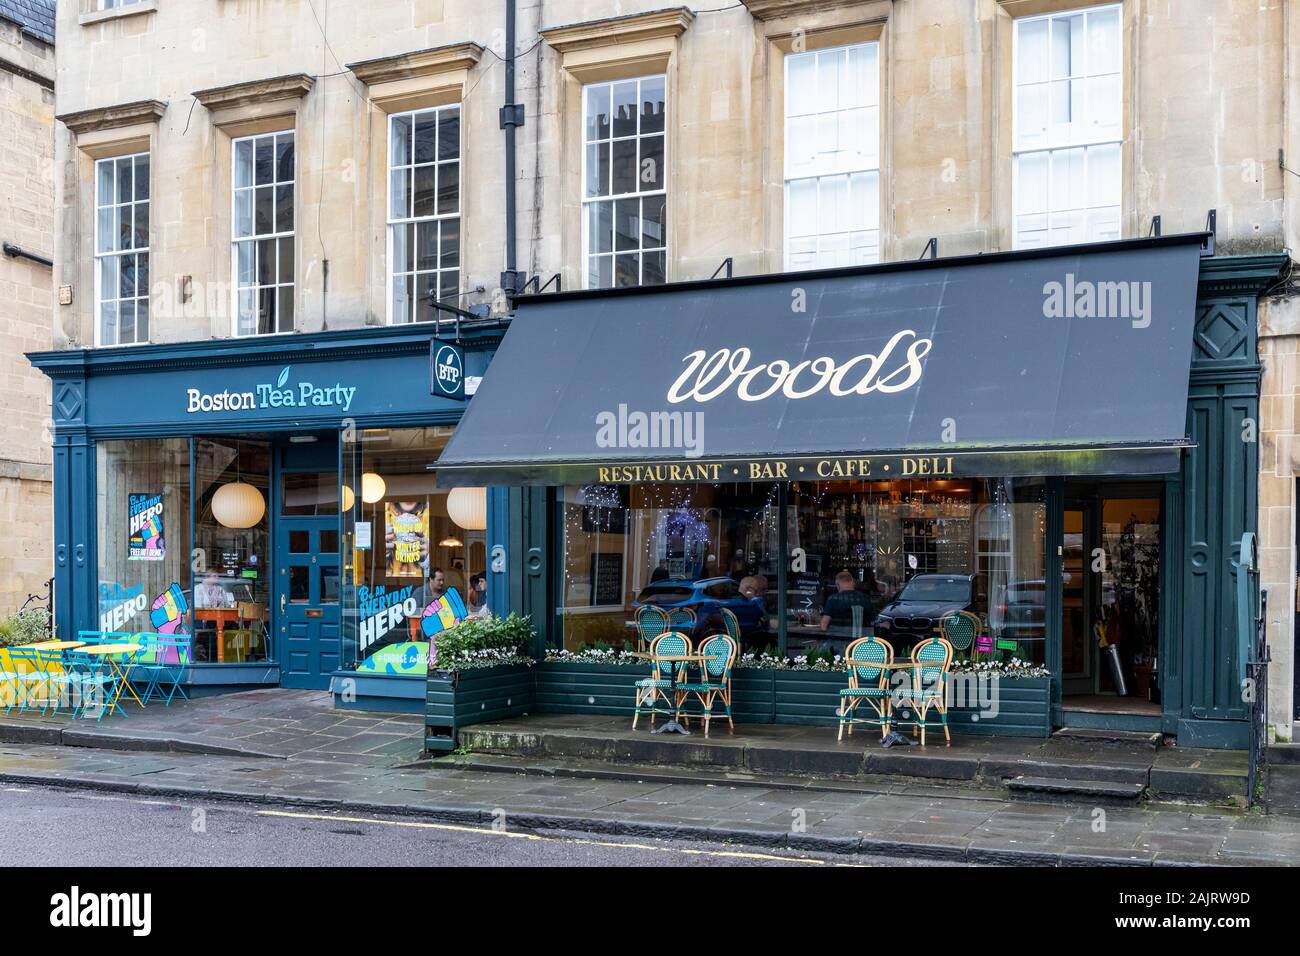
[672,726]
[108,651]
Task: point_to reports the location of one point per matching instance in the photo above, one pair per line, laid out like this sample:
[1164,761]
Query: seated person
[753,588]
[839,611]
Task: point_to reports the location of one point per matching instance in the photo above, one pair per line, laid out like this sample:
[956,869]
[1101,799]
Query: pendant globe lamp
[238,504]
[372,487]
[468,508]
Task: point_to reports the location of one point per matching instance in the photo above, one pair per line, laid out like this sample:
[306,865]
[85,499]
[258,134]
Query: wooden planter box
[583,688]
[1024,706]
[456,699]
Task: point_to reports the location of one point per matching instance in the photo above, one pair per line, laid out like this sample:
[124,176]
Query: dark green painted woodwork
[1219,491]
[475,696]
[528,557]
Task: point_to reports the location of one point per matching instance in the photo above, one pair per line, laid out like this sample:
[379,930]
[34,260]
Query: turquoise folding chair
[92,683]
[172,656]
[24,684]
[714,683]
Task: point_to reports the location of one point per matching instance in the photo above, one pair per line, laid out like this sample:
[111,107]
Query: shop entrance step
[1097,736]
[1284,754]
[1063,790]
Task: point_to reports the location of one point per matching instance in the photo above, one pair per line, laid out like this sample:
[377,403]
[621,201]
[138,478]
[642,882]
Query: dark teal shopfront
[1097,496]
[246,492]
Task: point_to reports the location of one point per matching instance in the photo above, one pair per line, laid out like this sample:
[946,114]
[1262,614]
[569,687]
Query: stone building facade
[1202,117]
[26,294]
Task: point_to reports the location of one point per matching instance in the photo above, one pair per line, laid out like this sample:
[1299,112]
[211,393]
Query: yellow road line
[461,828]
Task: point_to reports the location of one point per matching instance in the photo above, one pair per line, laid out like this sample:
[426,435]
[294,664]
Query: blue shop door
[307,599]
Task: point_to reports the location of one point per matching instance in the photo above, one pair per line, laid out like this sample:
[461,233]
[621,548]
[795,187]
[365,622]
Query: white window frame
[1018,150]
[614,198]
[391,222]
[99,256]
[847,173]
[255,238]
[116,4]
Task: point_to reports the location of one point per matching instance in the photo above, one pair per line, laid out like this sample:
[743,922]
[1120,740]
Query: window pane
[142,177]
[625,108]
[627,226]
[653,269]
[403,288]
[425,203]
[399,141]
[650,170]
[243,225]
[801,85]
[1031,115]
[801,207]
[266,261]
[600,272]
[449,243]
[624,166]
[1103,41]
[426,237]
[108,323]
[449,285]
[126,321]
[449,134]
[399,194]
[142,306]
[426,137]
[266,310]
[264,160]
[124,180]
[125,227]
[244,272]
[106,233]
[1031,183]
[286,259]
[448,188]
[141,237]
[104,194]
[1104,176]
[626,270]
[652,105]
[284,158]
[264,210]
[654,225]
[600,227]
[284,208]
[597,112]
[597,170]
[284,318]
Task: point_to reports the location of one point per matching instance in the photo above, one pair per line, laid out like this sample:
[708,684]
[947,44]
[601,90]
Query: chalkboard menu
[606,579]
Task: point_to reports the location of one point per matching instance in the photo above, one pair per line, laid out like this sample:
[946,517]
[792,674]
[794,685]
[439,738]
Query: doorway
[1110,588]
[307,584]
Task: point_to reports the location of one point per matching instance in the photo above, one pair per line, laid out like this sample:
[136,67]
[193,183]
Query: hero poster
[145,540]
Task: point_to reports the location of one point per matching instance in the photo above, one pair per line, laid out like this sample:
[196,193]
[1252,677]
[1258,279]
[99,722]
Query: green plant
[484,640]
[25,627]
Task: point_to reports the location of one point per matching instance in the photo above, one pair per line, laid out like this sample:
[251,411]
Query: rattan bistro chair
[960,629]
[731,624]
[682,620]
[651,622]
[659,685]
[868,660]
[714,682]
[929,684]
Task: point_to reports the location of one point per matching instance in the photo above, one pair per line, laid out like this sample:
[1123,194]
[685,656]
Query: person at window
[212,593]
[478,595]
[434,587]
[660,573]
[839,611]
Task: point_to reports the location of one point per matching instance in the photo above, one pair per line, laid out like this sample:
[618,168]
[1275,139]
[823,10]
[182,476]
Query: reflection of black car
[915,612]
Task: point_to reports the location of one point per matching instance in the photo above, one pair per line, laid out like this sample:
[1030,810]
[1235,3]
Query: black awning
[1072,361]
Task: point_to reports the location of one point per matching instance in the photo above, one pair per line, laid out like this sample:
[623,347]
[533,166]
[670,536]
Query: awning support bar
[726,264]
[931,249]
[1211,227]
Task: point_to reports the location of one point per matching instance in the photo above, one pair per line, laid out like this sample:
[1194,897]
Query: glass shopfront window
[884,557]
[232,576]
[704,547]
[143,508]
[415,557]
[893,557]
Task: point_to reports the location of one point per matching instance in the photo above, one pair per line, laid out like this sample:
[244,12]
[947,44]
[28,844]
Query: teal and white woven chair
[651,621]
[732,625]
[658,687]
[714,682]
[868,660]
[959,629]
[928,686]
[682,620]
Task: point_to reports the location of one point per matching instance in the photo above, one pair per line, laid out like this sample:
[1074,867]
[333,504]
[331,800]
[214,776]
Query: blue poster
[145,540]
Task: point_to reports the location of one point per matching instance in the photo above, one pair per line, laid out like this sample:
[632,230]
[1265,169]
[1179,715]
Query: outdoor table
[59,646]
[107,651]
[672,726]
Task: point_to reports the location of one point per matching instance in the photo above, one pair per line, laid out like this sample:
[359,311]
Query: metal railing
[1252,645]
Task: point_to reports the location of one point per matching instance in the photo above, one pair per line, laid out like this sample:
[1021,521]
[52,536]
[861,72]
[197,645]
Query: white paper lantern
[238,505]
[468,508]
[349,498]
[372,487]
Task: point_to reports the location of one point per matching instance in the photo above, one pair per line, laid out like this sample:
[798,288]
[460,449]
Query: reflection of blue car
[707,597]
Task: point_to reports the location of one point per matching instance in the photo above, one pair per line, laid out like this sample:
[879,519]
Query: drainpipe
[512,116]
